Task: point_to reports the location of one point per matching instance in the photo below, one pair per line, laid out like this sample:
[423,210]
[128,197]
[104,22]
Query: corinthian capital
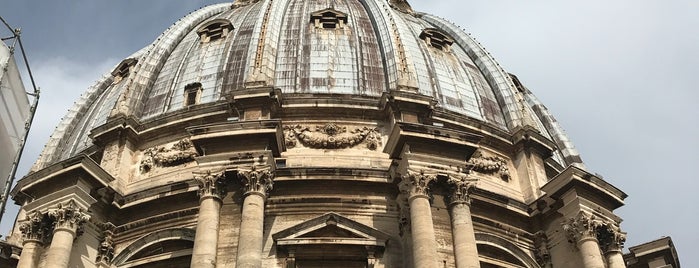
[611,237]
[460,190]
[211,184]
[256,180]
[583,226]
[36,227]
[68,216]
[417,183]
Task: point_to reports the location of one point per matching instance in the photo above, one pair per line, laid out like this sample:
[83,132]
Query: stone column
[424,241]
[465,250]
[612,240]
[582,232]
[256,184]
[211,192]
[34,230]
[68,218]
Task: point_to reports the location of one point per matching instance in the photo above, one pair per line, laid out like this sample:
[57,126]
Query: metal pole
[27,124]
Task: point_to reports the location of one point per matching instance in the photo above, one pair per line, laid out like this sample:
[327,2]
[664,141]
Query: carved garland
[331,136]
[179,153]
[492,165]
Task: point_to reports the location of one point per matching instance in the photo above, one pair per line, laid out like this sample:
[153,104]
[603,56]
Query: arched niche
[499,252]
[164,248]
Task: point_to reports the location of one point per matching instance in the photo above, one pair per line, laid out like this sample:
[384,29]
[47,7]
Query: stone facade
[274,173]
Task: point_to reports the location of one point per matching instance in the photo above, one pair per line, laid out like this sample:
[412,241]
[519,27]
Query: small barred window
[192,93]
[437,39]
[214,30]
[329,19]
[123,69]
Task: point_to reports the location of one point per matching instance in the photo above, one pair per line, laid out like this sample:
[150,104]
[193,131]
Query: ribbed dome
[302,47]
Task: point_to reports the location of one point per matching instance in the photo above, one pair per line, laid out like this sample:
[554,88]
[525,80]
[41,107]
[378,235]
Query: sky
[620,76]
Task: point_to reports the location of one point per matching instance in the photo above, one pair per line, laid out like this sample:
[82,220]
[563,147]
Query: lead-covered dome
[359,49]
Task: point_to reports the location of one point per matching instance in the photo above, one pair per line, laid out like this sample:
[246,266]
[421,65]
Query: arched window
[171,248]
[214,30]
[437,39]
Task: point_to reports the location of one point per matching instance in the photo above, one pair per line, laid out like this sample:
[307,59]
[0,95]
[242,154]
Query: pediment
[330,228]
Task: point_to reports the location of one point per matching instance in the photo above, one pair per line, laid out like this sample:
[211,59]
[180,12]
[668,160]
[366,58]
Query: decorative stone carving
[256,181]
[541,250]
[105,251]
[492,165]
[36,226]
[611,237]
[581,227]
[331,136]
[460,190]
[402,5]
[240,3]
[179,153]
[69,216]
[211,184]
[403,215]
[417,183]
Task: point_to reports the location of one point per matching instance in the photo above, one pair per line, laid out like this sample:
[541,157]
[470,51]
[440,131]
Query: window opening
[214,30]
[192,93]
[123,69]
[329,19]
[437,39]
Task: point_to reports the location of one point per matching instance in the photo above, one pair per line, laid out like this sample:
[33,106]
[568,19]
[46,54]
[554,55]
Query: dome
[306,133]
[351,49]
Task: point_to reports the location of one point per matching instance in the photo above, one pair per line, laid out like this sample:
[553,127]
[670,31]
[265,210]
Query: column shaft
[424,241]
[465,251]
[206,239]
[58,254]
[615,259]
[250,236]
[590,253]
[30,254]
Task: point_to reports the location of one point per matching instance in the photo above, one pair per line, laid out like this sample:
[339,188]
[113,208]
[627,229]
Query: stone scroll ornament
[257,180]
[331,136]
[611,237]
[179,153]
[491,165]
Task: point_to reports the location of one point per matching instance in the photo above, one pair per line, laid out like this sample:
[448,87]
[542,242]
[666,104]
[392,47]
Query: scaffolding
[12,41]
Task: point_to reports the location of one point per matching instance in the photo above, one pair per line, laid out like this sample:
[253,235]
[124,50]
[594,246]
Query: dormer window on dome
[437,39]
[123,69]
[192,93]
[329,19]
[214,30]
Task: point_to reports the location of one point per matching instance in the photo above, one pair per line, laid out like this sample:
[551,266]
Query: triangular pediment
[330,228]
